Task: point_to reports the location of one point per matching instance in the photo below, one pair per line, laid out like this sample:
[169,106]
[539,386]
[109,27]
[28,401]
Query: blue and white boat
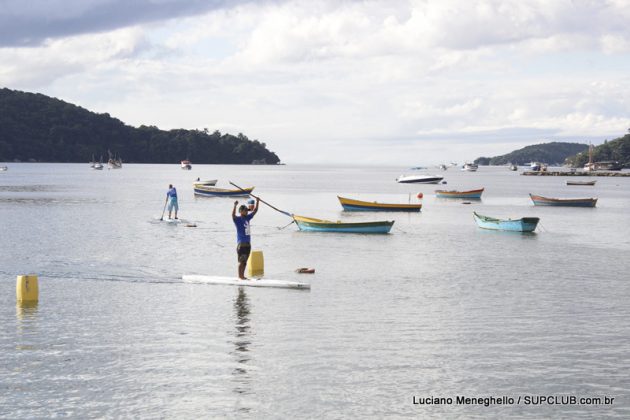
[317,225]
[524,224]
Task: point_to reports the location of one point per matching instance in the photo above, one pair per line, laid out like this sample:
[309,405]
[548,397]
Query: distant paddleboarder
[243,238]
[171,199]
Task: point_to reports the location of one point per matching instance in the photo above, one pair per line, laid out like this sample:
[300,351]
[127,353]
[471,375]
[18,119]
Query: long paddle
[262,201]
[163,210]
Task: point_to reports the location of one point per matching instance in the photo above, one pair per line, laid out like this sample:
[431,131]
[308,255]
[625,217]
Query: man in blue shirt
[171,198]
[243,238]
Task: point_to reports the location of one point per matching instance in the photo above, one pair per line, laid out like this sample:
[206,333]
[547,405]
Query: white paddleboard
[233,281]
[173,221]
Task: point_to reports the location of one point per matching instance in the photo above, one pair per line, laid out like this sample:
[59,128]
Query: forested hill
[35,127]
[615,150]
[550,153]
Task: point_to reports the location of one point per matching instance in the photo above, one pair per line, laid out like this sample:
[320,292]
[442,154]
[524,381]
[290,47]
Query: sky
[389,82]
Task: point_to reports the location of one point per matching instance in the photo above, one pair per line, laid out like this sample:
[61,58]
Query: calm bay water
[437,308]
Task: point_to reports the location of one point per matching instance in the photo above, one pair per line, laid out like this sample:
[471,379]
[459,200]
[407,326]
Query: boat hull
[233,281]
[472,194]
[419,179]
[220,192]
[525,224]
[588,183]
[358,205]
[208,183]
[317,225]
[562,202]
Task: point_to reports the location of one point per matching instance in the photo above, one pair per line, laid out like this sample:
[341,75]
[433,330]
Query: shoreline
[582,173]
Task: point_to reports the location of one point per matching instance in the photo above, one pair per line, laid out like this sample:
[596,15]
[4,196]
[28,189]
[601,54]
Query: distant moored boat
[318,225]
[207,191]
[524,224]
[581,182]
[114,162]
[566,202]
[472,194]
[206,183]
[419,179]
[349,204]
[470,167]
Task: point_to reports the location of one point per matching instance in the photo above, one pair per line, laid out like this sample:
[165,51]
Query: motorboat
[186,165]
[205,183]
[419,179]
[470,167]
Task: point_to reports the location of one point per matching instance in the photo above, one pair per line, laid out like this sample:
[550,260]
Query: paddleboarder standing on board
[171,199]
[243,238]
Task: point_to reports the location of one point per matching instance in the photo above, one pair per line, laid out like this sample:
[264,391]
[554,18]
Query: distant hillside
[40,128]
[550,153]
[617,149]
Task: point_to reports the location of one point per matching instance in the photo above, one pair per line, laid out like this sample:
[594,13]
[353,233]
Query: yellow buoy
[27,289]
[256,264]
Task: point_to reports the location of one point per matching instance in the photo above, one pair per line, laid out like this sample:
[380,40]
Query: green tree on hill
[553,153]
[615,150]
[35,126]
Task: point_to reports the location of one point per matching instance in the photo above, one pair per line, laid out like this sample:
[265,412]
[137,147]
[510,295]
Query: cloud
[32,23]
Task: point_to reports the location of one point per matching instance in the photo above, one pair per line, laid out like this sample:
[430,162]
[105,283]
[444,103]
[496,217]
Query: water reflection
[242,341]
[26,315]
[26,311]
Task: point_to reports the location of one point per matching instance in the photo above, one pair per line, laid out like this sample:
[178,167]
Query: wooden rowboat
[567,202]
[524,224]
[349,204]
[472,194]
[207,191]
[318,225]
[581,182]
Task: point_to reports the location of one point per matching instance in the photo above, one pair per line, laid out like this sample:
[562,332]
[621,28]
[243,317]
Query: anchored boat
[207,183]
[186,165]
[524,224]
[581,182]
[349,204]
[472,194]
[318,225]
[567,202]
[470,167]
[207,191]
[419,179]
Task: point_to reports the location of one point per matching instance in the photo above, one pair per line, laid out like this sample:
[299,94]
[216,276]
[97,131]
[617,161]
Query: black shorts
[243,250]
